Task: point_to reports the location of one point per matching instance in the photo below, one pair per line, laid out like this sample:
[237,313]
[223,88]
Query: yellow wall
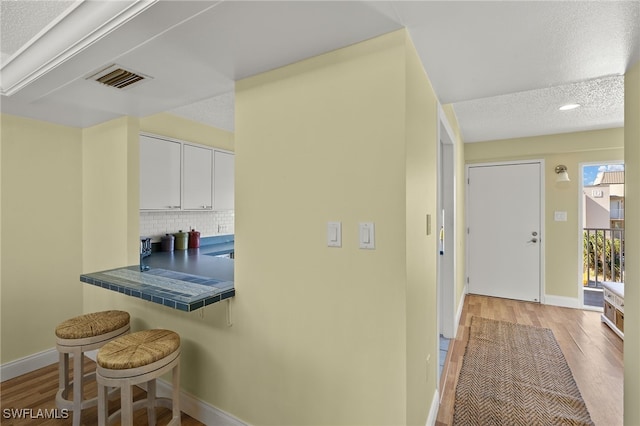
[632,249]
[111,212]
[110,182]
[319,335]
[324,140]
[562,239]
[421,199]
[41,233]
[180,128]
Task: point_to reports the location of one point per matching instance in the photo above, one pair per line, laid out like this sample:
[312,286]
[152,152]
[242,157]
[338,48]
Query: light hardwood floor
[592,350]
[37,391]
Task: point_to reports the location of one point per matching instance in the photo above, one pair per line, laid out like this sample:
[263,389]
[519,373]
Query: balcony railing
[603,255]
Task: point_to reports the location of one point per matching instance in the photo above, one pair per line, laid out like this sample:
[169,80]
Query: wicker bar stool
[76,336]
[134,359]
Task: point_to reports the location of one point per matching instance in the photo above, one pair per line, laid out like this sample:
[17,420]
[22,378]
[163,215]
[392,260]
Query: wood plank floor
[592,350]
[37,391]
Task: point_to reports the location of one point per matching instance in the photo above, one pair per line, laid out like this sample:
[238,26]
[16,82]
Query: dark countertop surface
[182,279]
[199,261]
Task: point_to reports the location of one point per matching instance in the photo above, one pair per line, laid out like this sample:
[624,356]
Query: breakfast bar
[183,279]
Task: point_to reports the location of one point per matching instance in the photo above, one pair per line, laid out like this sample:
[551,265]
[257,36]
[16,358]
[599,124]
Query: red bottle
[194,239]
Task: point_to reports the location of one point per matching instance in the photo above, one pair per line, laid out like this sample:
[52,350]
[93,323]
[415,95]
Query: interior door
[504,234]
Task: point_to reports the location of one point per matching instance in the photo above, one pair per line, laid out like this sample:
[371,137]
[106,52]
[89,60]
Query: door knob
[533,240]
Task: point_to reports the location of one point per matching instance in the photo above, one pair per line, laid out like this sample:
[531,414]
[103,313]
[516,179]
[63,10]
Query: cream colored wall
[180,128]
[41,242]
[318,334]
[421,199]
[324,140]
[632,247]
[562,277]
[110,186]
[111,212]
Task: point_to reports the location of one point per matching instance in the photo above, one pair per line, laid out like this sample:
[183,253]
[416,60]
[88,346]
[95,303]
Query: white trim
[433,411]
[189,404]
[75,30]
[565,302]
[198,409]
[194,407]
[28,364]
[446,303]
[459,311]
[581,214]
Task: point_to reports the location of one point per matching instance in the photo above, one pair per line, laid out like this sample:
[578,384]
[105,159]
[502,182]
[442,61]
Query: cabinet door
[198,178]
[159,174]
[223,181]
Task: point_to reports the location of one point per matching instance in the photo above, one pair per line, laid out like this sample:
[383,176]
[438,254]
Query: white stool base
[76,348]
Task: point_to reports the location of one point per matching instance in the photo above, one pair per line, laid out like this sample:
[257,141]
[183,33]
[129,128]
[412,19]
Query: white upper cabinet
[160,174]
[197,172]
[176,175]
[223,181]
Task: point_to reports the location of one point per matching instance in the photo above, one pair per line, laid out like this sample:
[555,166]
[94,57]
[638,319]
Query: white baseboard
[459,312]
[433,411]
[565,302]
[28,364]
[198,409]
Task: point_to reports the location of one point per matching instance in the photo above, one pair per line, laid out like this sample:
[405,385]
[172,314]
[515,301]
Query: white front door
[504,230]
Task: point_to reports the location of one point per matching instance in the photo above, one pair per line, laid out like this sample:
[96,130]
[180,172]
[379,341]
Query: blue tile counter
[184,279]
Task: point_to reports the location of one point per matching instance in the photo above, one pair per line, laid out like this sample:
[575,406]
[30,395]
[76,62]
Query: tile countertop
[183,279]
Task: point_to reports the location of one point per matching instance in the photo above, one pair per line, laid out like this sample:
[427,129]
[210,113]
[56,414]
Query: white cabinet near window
[160,174]
[223,181]
[613,315]
[197,172]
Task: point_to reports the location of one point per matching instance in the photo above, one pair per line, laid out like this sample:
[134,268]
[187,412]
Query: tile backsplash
[156,224]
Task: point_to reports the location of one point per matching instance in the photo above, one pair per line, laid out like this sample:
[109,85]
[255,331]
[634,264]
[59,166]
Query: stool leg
[103,404]
[126,405]
[175,395]
[151,402]
[78,386]
[63,374]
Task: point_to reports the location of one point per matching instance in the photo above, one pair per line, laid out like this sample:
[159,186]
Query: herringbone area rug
[515,374]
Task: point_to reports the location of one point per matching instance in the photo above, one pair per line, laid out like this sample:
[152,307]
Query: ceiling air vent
[118,77]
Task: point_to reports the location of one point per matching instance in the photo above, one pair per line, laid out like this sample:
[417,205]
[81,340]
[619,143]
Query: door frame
[543,228]
[581,213]
[446,294]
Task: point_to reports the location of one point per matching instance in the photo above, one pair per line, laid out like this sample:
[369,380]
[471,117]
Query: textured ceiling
[505,66]
[217,111]
[22,20]
[535,112]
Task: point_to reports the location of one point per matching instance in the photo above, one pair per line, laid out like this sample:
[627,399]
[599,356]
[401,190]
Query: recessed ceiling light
[567,107]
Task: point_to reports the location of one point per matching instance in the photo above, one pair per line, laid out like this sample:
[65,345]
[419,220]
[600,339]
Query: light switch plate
[367,235]
[560,216]
[334,234]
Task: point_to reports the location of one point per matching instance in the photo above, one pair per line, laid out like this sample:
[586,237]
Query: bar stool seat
[76,336]
[134,359]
